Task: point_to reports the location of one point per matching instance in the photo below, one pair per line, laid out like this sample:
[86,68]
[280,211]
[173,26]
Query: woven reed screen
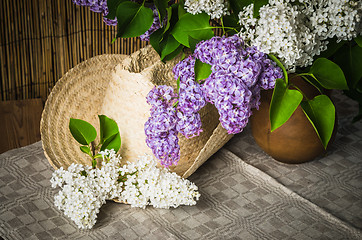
[40,40]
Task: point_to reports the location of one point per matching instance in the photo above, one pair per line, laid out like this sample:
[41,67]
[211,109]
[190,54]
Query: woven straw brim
[78,94]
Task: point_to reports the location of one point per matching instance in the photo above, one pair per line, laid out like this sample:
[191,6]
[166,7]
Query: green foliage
[112,8]
[196,26]
[161,6]
[202,70]
[321,114]
[108,128]
[82,131]
[113,142]
[284,102]
[257,5]
[85,134]
[358,40]
[133,19]
[349,58]
[238,5]
[328,74]
[86,149]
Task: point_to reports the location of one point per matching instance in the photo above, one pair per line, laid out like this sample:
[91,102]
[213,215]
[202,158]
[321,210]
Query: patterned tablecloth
[245,195]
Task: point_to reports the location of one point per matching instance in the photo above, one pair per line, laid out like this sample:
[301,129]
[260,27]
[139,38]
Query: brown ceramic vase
[296,140]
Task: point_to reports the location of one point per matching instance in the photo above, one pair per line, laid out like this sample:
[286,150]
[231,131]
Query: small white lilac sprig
[214,8]
[85,189]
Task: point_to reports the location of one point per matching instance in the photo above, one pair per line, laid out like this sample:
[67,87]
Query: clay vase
[296,140]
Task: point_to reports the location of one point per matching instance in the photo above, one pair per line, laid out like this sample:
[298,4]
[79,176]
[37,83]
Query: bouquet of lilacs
[262,42]
[84,189]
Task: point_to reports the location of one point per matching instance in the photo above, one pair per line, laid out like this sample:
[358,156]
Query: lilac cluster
[166,121]
[190,100]
[160,129]
[100,6]
[238,74]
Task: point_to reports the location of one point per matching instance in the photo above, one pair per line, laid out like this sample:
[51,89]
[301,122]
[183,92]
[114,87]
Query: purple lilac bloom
[191,98]
[189,124]
[238,74]
[160,129]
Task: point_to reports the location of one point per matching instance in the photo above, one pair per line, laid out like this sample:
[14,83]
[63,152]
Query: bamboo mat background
[40,40]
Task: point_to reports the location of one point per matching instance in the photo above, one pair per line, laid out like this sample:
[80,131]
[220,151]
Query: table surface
[245,195]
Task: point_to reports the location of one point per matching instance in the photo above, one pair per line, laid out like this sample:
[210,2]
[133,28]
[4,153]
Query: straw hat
[116,86]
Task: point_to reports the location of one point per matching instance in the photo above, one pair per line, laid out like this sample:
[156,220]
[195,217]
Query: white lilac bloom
[214,8]
[296,32]
[85,189]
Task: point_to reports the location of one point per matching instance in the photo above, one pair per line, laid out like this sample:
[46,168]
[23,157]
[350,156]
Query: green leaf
[108,128]
[155,40]
[94,163]
[169,17]
[161,6]
[82,131]
[178,85]
[278,62]
[168,46]
[202,70]
[193,42]
[321,113]
[133,19]
[349,58]
[181,9]
[238,5]
[232,21]
[112,8]
[113,142]
[332,47]
[257,5]
[358,40]
[98,156]
[283,104]
[173,54]
[85,149]
[328,74]
[196,26]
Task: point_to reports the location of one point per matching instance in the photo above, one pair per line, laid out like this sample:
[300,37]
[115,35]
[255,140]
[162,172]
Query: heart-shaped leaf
[197,26]
[321,113]
[349,58]
[113,142]
[168,46]
[133,19]
[112,8]
[108,128]
[283,104]
[202,70]
[82,131]
[328,74]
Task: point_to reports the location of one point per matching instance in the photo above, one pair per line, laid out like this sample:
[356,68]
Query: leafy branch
[85,134]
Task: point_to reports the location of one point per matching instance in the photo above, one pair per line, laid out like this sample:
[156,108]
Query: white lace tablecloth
[245,195]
